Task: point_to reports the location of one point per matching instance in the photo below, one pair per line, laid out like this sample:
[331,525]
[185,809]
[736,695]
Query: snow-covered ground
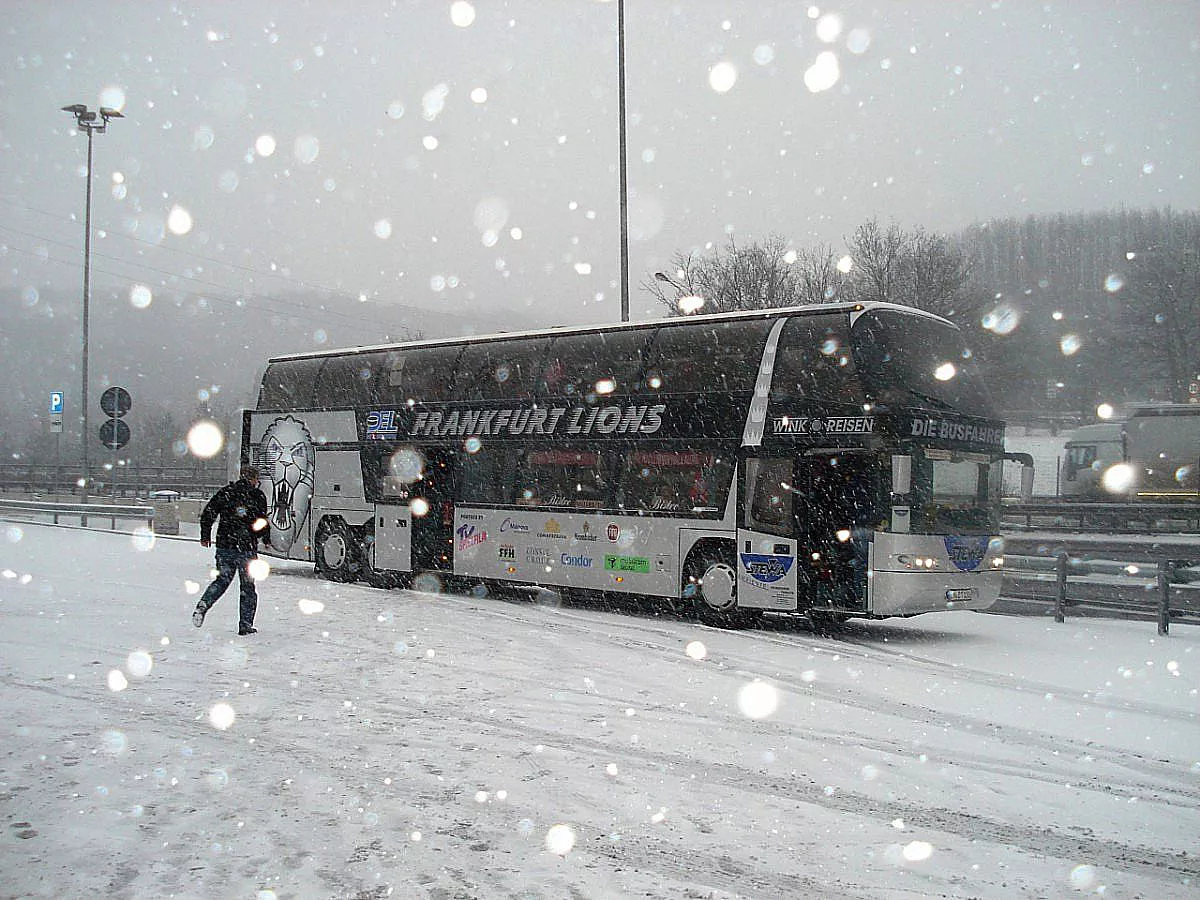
[399,744]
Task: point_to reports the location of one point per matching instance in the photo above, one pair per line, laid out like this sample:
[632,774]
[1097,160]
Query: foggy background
[297,176]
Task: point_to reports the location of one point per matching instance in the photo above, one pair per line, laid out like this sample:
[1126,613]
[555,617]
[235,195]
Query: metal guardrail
[122,481]
[81,511]
[1145,518]
[1069,554]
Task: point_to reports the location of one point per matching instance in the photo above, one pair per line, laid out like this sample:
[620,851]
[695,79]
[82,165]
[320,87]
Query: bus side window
[482,478]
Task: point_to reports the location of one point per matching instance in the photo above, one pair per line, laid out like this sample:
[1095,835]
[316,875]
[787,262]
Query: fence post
[1060,595]
[1164,596]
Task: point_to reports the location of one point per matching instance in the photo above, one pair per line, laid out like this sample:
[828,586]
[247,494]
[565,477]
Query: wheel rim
[718,587]
[333,551]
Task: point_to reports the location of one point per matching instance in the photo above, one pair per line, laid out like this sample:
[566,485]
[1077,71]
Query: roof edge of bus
[740,315]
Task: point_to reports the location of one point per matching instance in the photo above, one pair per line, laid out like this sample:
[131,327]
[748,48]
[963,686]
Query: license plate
[960,594]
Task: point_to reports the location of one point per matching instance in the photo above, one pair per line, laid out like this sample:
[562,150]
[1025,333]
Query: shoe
[250,630]
[198,616]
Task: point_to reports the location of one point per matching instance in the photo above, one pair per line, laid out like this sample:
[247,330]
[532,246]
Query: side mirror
[901,474]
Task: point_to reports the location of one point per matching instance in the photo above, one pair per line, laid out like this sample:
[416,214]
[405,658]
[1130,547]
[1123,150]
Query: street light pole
[89,122]
[624,172]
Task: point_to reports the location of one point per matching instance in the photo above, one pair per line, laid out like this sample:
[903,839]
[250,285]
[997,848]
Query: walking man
[242,509]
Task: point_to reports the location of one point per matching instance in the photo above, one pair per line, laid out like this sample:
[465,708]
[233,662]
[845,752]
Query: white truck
[1151,453]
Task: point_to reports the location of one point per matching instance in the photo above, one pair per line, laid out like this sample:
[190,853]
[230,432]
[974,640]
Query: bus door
[432,530]
[766,540]
[837,496]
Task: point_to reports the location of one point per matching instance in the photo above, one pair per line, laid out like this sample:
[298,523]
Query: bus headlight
[917,562]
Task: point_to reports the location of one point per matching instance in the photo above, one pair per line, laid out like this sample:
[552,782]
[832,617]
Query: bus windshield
[955,493]
[908,359]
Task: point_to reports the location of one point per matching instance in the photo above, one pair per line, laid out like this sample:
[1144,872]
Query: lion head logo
[288,462]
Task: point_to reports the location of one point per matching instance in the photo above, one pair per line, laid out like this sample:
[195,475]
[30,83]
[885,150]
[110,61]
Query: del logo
[766,569]
[381,425]
[966,552]
[468,537]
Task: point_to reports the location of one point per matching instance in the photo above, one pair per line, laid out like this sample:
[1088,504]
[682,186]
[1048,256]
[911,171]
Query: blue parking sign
[56,401]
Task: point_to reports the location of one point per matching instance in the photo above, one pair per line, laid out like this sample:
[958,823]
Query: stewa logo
[513,525]
[507,553]
[966,552]
[468,537]
[766,569]
[575,561]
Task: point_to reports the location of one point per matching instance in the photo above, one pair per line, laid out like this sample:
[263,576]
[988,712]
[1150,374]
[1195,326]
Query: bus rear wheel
[337,551]
[710,581]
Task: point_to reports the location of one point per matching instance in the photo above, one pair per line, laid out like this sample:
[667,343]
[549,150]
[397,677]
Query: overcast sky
[465,157]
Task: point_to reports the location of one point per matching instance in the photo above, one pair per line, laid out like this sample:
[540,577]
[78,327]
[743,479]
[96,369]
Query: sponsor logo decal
[538,556]
[381,425]
[822,425]
[585,534]
[506,553]
[613,531]
[966,552]
[575,561]
[469,537]
[638,564]
[766,569]
[513,525]
[551,529]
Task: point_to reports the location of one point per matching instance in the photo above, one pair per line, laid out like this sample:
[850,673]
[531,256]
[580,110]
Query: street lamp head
[109,113]
[75,109]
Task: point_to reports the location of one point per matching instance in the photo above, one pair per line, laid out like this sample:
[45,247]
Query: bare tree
[755,276]
[1162,316]
[914,268]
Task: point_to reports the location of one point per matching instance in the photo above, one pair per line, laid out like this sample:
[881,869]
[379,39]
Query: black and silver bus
[836,460]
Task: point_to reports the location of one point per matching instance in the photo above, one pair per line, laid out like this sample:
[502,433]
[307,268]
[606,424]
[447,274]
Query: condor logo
[766,569]
[966,552]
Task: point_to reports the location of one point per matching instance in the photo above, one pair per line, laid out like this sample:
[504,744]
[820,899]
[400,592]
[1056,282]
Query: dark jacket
[243,511]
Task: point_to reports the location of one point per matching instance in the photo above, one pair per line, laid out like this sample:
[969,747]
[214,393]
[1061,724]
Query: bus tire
[710,580]
[337,552]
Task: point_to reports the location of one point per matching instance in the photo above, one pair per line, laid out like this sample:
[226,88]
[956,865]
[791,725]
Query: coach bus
[839,460]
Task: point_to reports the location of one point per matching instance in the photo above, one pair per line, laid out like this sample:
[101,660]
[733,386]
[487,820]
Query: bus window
[345,381]
[288,384]
[684,481]
[482,480]
[814,362]
[564,478]
[769,493]
[710,357]
[423,374]
[499,370]
[582,364]
[952,493]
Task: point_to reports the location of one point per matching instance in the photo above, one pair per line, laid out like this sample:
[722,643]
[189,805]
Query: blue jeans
[228,562]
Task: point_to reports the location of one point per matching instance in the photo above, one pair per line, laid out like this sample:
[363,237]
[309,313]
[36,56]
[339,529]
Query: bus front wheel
[710,581]
[337,551]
